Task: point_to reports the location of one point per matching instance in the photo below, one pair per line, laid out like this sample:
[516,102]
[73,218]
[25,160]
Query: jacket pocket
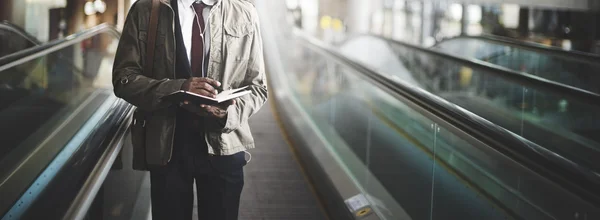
[160,37]
[138,140]
[159,46]
[239,30]
[238,40]
[229,143]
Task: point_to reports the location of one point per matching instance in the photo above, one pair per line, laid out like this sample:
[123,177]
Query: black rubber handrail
[577,179]
[574,56]
[41,50]
[80,180]
[115,142]
[16,29]
[521,78]
[113,130]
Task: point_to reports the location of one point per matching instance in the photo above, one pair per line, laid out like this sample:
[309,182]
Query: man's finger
[190,108]
[206,86]
[196,110]
[203,92]
[207,108]
[212,82]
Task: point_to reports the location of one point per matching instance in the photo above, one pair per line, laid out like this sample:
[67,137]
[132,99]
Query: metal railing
[574,56]
[577,179]
[18,30]
[23,56]
[521,78]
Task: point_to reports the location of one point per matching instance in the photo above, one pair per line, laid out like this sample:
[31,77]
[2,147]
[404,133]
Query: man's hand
[201,86]
[217,111]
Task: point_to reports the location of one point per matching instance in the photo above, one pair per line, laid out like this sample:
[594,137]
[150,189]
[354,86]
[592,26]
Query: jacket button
[124,80]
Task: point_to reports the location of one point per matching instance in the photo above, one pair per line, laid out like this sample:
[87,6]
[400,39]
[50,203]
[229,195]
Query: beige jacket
[235,59]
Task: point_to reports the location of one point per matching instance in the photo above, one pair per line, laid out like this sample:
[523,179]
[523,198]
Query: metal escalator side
[515,76]
[572,68]
[384,149]
[549,114]
[578,56]
[65,126]
[14,39]
[31,52]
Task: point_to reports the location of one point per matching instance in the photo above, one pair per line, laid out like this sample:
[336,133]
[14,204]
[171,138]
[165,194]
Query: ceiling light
[100,6]
[89,8]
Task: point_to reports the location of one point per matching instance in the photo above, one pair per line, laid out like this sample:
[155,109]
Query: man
[200,46]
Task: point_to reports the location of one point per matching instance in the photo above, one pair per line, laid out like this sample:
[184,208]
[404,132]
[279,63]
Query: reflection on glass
[400,158]
[576,73]
[563,125]
[36,97]
[11,41]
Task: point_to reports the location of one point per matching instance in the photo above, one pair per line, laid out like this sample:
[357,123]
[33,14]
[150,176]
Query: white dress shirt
[186,20]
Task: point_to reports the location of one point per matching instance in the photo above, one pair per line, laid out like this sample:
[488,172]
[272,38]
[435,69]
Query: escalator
[393,150]
[553,115]
[388,144]
[14,39]
[572,68]
[63,127]
[374,146]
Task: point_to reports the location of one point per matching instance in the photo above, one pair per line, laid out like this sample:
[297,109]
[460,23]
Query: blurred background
[571,25]
[378,109]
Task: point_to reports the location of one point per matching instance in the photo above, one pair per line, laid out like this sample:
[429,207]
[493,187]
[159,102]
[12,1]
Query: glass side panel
[397,158]
[38,96]
[570,72]
[11,41]
[424,166]
[563,125]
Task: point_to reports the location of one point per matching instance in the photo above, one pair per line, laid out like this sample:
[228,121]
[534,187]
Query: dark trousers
[219,182]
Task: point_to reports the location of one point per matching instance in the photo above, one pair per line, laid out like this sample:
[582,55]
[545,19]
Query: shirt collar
[210,2]
[190,2]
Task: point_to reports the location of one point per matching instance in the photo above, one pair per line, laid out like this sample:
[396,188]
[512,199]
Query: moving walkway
[374,146]
[406,151]
[573,68]
[409,153]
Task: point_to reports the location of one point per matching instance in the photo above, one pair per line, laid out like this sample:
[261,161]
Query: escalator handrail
[96,177]
[521,78]
[572,55]
[18,30]
[23,56]
[99,150]
[82,202]
[574,177]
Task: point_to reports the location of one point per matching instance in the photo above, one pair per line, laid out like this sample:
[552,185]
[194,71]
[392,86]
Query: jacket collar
[207,2]
[188,3]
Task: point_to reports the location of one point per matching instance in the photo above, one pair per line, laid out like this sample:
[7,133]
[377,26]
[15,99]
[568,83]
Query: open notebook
[226,95]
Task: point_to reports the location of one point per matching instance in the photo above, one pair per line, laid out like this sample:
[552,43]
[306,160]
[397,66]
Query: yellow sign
[326,22]
[338,25]
[363,212]
[466,74]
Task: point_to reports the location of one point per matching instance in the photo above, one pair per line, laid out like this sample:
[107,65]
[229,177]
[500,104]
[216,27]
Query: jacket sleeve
[255,79]
[129,81]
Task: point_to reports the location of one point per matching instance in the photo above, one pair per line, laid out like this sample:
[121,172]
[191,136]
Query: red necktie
[197,40]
